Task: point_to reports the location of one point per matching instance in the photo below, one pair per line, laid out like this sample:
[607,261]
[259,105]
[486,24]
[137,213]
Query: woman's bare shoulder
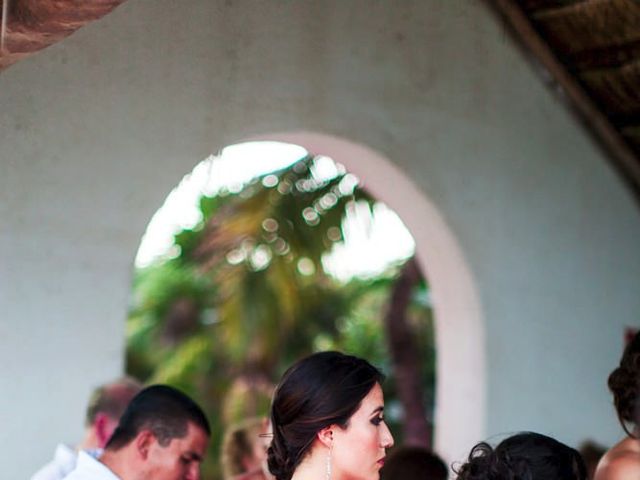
[622,462]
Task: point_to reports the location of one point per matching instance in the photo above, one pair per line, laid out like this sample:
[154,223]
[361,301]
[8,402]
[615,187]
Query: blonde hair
[238,444]
[112,398]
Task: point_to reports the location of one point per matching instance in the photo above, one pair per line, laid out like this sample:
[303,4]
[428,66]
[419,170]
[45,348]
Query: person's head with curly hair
[624,383]
[414,463]
[525,456]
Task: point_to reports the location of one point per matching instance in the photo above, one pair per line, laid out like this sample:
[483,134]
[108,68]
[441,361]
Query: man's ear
[325,436]
[103,427]
[143,442]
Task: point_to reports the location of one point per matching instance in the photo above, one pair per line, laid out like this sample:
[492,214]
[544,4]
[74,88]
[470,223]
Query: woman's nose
[387,438]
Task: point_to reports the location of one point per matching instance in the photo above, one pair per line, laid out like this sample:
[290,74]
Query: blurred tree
[247,295]
[405,356]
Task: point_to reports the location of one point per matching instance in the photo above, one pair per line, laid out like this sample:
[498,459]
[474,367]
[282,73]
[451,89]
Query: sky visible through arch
[371,242]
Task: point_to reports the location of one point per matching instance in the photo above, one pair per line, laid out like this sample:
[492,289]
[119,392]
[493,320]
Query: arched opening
[460,391]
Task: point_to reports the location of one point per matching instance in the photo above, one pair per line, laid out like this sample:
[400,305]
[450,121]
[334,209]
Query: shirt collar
[94,468]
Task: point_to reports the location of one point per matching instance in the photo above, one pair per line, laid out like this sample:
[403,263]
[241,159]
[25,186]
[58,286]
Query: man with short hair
[163,435]
[106,405]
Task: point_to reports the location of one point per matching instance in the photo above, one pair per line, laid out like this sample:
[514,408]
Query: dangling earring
[328,477]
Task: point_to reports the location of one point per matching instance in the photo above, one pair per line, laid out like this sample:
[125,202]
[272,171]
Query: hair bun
[280,463]
[624,385]
[523,456]
[485,463]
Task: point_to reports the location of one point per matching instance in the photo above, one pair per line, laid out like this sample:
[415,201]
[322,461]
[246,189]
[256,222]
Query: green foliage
[361,333]
[247,296]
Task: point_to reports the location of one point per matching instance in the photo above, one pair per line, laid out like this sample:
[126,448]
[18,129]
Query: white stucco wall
[96,130]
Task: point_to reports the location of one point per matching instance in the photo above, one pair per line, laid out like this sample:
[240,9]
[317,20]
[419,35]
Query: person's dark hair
[161,409]
[624,383]
[415,463]
[525,456]
[112,399]
[320,390]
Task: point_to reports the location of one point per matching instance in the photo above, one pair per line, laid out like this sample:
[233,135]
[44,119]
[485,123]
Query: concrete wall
[96,130]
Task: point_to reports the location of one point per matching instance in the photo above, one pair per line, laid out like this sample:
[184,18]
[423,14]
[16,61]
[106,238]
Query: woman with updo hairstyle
[327,419]
[525,456]
[622,461]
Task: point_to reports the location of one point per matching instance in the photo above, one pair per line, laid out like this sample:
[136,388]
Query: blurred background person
[591,453]
[622,461]
[527,455]
[414,463]
[106,405]
[244,450]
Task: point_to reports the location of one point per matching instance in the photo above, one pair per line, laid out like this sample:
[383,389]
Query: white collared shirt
[88,468]
[64,461]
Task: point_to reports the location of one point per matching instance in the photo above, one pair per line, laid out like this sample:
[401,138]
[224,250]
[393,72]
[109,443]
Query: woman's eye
[377,420]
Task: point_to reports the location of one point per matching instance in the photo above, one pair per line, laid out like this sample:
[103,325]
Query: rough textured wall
[95,130]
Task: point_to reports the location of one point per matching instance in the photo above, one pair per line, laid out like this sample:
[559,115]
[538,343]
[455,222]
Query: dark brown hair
[318,391]
[414,463]
[624,383]
[163,410]
[525,456]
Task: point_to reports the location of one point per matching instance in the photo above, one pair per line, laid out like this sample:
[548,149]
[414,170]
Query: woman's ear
[326,436]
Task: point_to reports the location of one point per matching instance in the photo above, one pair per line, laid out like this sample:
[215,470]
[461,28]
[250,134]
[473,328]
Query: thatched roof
[31,25]
[591,48]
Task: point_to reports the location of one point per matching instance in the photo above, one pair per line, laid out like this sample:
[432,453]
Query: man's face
[180,460]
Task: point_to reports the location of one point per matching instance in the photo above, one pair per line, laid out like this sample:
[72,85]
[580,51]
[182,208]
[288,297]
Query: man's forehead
[193,428]
[196,438]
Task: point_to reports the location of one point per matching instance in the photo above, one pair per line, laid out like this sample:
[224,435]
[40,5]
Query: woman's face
[358,451]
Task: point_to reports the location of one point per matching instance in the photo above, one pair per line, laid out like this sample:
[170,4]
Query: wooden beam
[3,24]
[591,25]
[619,152]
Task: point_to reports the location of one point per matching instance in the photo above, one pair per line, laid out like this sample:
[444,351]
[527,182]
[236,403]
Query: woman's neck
[313,467]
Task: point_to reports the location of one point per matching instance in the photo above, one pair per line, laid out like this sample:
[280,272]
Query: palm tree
[406,358]
[264,249]
[247,295]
